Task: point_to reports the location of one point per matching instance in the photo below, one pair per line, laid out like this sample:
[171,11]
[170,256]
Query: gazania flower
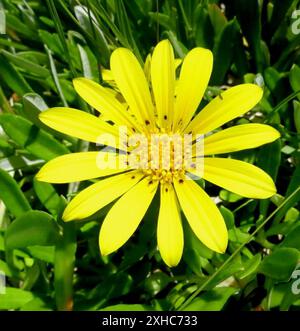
[150,107]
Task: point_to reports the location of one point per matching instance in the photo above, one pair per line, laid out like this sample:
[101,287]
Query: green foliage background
[50,265]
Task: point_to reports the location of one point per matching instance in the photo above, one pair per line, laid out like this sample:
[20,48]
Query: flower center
[161,156]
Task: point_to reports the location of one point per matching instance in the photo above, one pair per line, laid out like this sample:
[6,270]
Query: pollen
[160,156]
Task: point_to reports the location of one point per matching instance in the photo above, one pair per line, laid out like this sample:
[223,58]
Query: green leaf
[30,137]
[229,196]
[5,268]
[43,253]
[293,186]
[26,65]
[33,104]
[14,298]
[157,282]
[124,307]
[204,33]
[294,79]
[89,24]
[12,78]
[295,181]
[179,48]
[55,78]
[48,196]
[269,158]
[12,196]
[292,239]
[37,304]
[224,50]
[52,41]
[228,217]
[32,228]
[296,105]
[248,11]
[217,17]
[280,10]
[64,261]
[114,286]
[250,266]
[15,23]
[194,250]
[280,264]
[126,26]
[213,300]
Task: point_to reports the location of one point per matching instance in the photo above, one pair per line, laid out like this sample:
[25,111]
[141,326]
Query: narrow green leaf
[204,33]
[294,79]
[4,104]
[11,195]
[30,137]
[249,11]
[26,65]
[179,48]
[12,78]
[217,18]
[55,77]
[290,196]
[280,10]
[48,196]
[269,158]
[89,23]
[224,50]
[250,266]
[296,105]
[33,104]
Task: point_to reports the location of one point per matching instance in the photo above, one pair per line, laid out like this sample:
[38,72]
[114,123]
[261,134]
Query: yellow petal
[228,105]
[76,167]
[147,68]
[194,77]
[202,214]
[77,123]
[102,99]
[107,75]
[239,137]
[124,217]
[163,81]
[133,85]
[177,63]
[169,227]
[239,177]
[98,195]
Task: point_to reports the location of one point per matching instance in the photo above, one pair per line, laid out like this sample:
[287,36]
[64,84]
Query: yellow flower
[150,107]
